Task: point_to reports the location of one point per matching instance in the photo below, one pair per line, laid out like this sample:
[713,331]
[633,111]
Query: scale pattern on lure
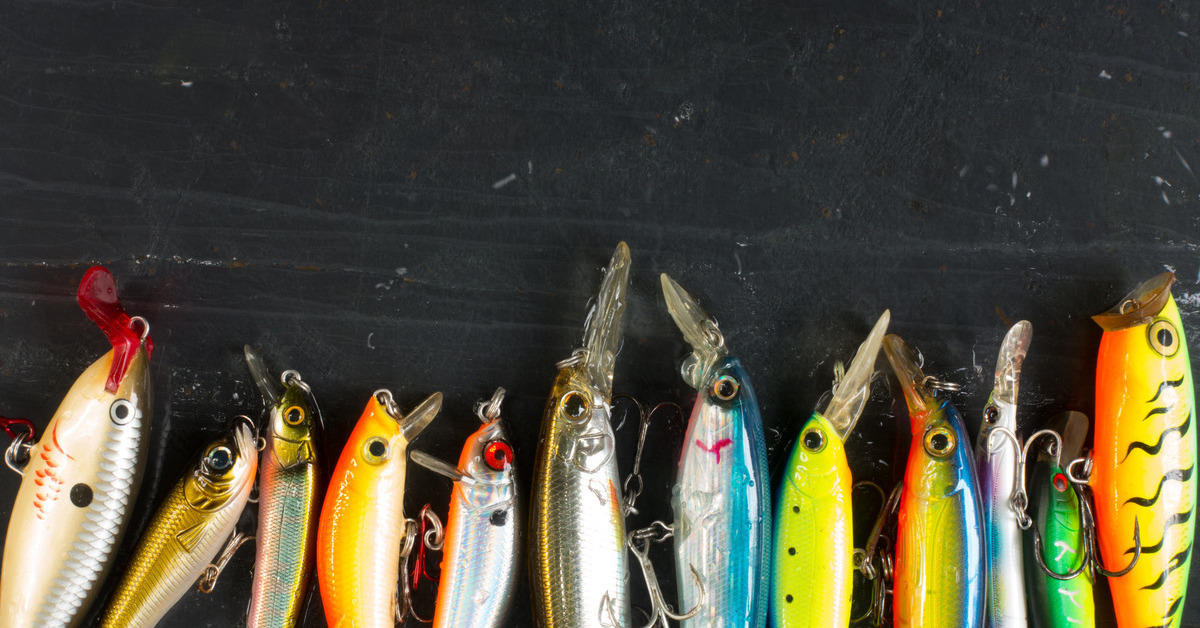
[812,559]
[362,529]
[1145,454]
[997,452]
[82,476]
[1058,518]
[483,529]
[578,571]
[939,549]
[721,497]
[289,500]
[187,531]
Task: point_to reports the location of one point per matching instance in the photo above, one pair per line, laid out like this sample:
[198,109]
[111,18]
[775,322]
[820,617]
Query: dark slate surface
[421,196]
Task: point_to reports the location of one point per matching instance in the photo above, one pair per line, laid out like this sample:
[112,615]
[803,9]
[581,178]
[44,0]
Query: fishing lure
[82,476]
[997,454]
[188,530]
[812,560]
[721,497]
[1065,601]
[1145,454]
[483,531]
[578,572]
[362,533]
[939,549]
[289,499]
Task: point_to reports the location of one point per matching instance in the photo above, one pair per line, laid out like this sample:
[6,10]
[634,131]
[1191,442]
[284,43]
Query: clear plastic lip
[1008,363]
[851,392]
[602,333]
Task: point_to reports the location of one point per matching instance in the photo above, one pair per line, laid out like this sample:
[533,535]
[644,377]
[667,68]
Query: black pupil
[1165,338]
[813,439]
[940,442]
[726,388]
[499,454]
[219,459]
[377,449]
[991,415]
[121,411]
[293,416]
[574,405]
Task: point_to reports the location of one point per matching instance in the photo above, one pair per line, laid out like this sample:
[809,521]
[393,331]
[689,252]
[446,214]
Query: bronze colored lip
[1141,305]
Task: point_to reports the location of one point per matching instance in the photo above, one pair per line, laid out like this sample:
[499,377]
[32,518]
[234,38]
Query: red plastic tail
[98,298]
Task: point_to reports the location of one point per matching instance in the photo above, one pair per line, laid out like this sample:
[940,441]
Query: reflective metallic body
[578,571]
[74,502]
[1055,603]
[362,526]
[1145,454]
[288,501]
[939,550]
[481,549]
[812,557]
[721,497]
[997,451]
[188,530]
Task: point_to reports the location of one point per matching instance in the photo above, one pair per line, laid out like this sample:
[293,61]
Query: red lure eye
[1060,482]
[497,455]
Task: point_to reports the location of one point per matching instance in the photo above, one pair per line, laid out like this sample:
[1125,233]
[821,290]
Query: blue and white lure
[721,498]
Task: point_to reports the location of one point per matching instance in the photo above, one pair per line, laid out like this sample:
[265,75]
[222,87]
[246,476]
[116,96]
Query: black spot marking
[791,551]
[789,598]
[81,495]
[498,517]
[796,509]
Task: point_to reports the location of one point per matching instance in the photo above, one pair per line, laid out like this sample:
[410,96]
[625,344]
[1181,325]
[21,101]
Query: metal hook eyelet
[145,327]
[489,411]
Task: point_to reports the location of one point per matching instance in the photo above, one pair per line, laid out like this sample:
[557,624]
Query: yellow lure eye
[1163,337]
[574,406]
[725,388]
[293,415]
[375,450]
[939,442]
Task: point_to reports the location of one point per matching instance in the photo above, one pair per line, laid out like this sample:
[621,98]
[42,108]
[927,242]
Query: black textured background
[421,196]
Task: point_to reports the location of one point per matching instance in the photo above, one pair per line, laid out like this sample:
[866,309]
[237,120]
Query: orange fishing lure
[1145,455]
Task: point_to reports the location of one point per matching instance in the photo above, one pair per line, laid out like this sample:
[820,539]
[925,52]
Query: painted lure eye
[813,439]
[294,415]
[574,405]
[1060,482]
[1163,338]
[497,455]
[990,414]
[219,458]
[121,411]
[725,388]
[939,442]
[375,450]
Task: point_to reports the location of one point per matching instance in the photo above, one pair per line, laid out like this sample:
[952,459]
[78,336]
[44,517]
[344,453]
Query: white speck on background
[739,263]
[962,172]
[235,396]
[1164,197]
[1183,161]
[1014,180]
[1028,194]
[992,187]
[505,181]
[1045,161]
[1105,75]
[1161,181]
[529,164]
[1169,267]
[1181,33]
[369,336]
[402,271]
[186,83]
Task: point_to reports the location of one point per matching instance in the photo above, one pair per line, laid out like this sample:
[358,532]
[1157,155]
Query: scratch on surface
[1105,75]
[505,181]
[1045,161]
[1183,161]
[739,263]
[369,336]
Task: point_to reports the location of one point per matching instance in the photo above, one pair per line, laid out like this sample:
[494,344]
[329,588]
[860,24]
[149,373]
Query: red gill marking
[716,447]
[54,439]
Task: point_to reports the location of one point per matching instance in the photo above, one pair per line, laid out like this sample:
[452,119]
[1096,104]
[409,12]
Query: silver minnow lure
[483,529]
[997,452]
[578,572]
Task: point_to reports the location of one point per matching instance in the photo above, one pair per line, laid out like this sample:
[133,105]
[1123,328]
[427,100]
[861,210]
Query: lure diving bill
[362,531]
[721,497]
[812,559]
[1145,455]
[188,530]
[997,454]
[82,475]
[579,576]
[483,530]
[289,501]
[939,549]
[1066,601]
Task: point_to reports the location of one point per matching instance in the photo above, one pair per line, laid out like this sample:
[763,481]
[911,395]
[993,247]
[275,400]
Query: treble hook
[639,543]
[1019,502]
[865,559]
[1091,555]
[208,577]
[402,605]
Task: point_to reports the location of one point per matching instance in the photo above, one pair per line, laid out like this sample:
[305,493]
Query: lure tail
[98,297]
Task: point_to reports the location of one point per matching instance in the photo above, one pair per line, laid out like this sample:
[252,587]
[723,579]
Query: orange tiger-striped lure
[1145,454]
